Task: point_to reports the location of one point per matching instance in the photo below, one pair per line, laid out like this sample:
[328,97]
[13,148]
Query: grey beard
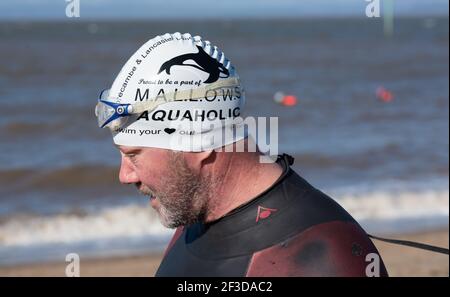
[185,196]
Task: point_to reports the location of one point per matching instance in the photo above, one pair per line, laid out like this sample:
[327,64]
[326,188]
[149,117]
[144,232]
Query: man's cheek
[153,181]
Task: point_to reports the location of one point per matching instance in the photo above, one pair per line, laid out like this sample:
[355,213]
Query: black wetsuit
[292,229]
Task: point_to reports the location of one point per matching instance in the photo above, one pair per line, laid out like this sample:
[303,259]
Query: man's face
[177,193]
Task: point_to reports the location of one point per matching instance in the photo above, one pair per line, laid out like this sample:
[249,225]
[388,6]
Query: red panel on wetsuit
[328,249]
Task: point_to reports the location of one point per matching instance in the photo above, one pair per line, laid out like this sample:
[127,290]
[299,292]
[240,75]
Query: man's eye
[132,155]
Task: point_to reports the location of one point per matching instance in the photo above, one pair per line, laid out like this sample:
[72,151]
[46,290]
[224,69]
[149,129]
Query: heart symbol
[169,130]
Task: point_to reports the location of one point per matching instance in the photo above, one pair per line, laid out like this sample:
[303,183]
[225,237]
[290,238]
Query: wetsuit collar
[244,218]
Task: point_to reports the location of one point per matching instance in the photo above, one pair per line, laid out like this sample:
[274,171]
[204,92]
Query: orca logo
[204,63]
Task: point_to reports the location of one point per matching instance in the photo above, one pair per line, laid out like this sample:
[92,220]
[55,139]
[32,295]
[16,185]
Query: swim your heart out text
[141,132]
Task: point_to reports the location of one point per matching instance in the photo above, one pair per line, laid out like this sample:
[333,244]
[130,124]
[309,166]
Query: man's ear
[196,160]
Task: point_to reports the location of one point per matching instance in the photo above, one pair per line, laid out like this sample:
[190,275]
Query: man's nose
[127,175]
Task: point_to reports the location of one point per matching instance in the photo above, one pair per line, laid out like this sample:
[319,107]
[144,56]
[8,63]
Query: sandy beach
[400,261]
[406,261]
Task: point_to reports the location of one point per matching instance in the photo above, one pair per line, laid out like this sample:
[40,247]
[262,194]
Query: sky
[201,9]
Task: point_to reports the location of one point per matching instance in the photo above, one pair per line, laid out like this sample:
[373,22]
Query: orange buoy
[286,100]
[384,95]
[289,100]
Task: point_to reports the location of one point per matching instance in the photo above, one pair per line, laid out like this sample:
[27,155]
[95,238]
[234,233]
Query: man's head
[194,94]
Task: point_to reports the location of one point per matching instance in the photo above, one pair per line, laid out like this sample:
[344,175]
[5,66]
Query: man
[171,110]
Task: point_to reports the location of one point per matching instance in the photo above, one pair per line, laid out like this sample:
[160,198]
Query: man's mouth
[147,194]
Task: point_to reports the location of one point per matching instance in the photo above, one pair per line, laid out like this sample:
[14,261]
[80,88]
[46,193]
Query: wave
[97,175]
[135,229]
[138,221]
[387,155]
[23,128]
[393,206]
[118,222]
[59,178]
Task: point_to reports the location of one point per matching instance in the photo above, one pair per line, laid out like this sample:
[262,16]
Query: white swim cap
[175,92]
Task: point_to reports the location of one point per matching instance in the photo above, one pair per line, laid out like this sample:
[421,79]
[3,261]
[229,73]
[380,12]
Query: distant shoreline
[111,20]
